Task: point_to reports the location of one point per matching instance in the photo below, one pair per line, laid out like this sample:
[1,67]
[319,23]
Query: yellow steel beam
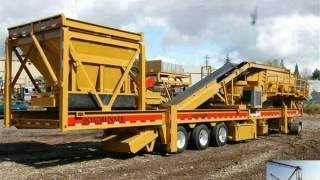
[262,66]
[92,59]
[225,92]
[102,29]
[7,88]
[104,40]
[44,59]
[221,97]
[142,78]
[232,93]
[163,129]
[172,131]
[64,74]
[101,72]
[284,119]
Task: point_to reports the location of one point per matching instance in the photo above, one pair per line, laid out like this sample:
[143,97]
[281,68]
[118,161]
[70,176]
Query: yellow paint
[129,141]
[239,132]
[7,89]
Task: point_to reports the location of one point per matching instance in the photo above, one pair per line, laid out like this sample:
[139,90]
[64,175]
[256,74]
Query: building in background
[314,90]
[24,80]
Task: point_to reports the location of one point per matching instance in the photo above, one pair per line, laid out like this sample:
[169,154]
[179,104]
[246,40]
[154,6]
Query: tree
[296,71]
[273,62]
[316,74]
[282,64]
[227,60]
[305,73]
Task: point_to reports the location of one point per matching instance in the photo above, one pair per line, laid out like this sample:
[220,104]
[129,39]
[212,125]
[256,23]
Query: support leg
[8,89]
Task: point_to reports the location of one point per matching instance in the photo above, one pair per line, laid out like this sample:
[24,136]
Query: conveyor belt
[206,88]
[215,76]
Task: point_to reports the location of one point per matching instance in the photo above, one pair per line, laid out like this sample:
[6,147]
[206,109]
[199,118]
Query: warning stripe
[269,114]
[185,116]
[146,118]
[114,119]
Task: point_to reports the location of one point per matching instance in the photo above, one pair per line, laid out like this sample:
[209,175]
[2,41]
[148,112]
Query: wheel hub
[181,140]
[222,135]
[203,137]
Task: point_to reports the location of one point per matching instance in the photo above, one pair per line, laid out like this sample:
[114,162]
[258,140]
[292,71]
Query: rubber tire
[295,128]
[215,135]
[195,137]
[184,131]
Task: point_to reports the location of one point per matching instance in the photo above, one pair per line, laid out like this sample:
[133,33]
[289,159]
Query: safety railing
[294,85]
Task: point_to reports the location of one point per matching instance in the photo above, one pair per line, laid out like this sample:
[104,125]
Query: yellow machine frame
[35,38]
[74,57]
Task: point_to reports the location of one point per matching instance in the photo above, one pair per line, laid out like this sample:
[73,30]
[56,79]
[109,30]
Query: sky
[310,169]
[184,32]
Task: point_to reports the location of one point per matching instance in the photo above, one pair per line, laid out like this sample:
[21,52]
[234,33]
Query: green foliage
[227,60]
[312,109]
[316,74]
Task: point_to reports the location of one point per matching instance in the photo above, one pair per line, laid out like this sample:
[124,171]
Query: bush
[312,109]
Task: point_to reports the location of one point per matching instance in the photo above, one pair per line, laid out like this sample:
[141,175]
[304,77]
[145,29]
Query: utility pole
[206,69]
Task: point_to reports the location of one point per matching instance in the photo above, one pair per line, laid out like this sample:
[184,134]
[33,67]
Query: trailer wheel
[219,134]
[182,139]
[201,137]
[295,128]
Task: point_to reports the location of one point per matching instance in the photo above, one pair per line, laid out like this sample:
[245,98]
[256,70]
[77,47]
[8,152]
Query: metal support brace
[167,91]
[23,66]
[101,80]
[220,96]
[120,83]
[225,92]
[44,59]
[93,89]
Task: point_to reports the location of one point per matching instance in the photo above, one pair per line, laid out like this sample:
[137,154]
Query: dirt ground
[48,154]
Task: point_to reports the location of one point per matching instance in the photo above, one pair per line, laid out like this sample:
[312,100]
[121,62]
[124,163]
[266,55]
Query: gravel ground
[48,154]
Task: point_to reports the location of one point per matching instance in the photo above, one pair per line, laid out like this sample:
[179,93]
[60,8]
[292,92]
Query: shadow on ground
[41,155]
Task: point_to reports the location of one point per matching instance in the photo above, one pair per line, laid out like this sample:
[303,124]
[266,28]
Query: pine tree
[282,64]
[316,74]
[296,71]
[228,60]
